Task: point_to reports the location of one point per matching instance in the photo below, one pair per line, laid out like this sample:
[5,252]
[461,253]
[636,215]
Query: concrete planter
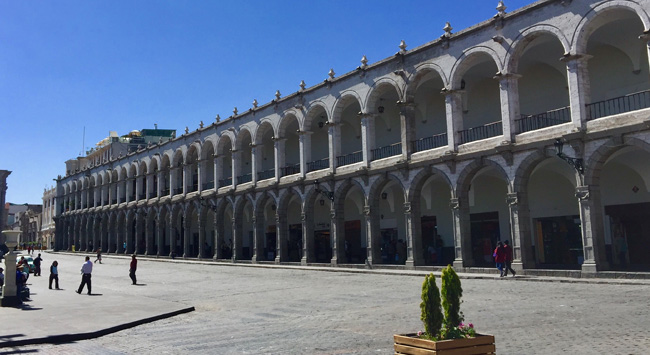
[410,344]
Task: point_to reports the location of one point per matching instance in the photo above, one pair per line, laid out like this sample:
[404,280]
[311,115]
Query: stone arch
[154,161]
[243,131]
[420,179]
[178,156]
[342,101]
[599,157]
[526,167]
[227,137]
[342,190]
[589,22]
[526,37]
[380,183]
[309,117]
[467,174]
[416,78]
[286,120]
[196,146]
[468,59]
[207,144]
[378,87]
[285,197]
[261,129]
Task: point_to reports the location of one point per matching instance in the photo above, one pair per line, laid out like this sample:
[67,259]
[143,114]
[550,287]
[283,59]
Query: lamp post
[9,291]
[328,194]
[576,163]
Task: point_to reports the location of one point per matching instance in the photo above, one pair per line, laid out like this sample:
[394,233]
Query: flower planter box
[410,344]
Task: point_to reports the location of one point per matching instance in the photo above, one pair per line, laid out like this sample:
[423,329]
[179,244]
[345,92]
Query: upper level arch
[346,99]
[528,37]
[472,57]
[422,71]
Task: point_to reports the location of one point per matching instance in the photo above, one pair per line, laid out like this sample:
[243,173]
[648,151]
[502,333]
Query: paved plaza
[283,310]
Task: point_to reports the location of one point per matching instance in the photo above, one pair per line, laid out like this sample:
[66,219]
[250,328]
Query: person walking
[132,268]
[54,274]
[86,270]
[37,265]
[508,265]
[499,257]
[99,255]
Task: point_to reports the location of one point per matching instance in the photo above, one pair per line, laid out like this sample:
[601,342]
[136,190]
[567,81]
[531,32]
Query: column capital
[575,57]
[507,76]
[367,211]
[582,193]
[512,199]
[454,203]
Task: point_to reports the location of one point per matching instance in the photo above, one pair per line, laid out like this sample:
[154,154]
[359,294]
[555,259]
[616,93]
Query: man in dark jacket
[508,252]
[37,265]
[132,268]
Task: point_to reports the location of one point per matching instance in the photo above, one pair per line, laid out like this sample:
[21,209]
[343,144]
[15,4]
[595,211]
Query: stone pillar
[199,177]
[258,236]
[3,193]
[280,156]
[172,180]
[217,172]
[160,231]
[367,137]
[307,238]
[579,88]
[413,234]
[148,236]
[201,230]
[186,178]
[70,229]
[520,230]
[304,141]
[337,233]
[172,235]
[509,93]
[236,167]
[161,184]
[407,125]
[58,233]
[454,112]
[219,227]
[281,231]
[334,133]
[462,233]
[237,236]
[593,236]
[256,162]
[373,235]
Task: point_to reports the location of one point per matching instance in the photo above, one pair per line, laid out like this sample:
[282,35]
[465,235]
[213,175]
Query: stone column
[236,166]
[454,112]
[256,162]
[337,233]
[593,236]
[304,141]
[237,236]
[307,238]
[199,175]
[172,235]
[373,235]
[3,193]
[258,237]
[160,186]
[217,172]
[219,227]
[579,88]
[187,234]
[367,137]
[186,182]
[520,230]
[509,93]
[160,231]
[281,231]
[280,156]
[201,230]
[462,233]
[407,125]
[334,133]
[413,234]
[58,233]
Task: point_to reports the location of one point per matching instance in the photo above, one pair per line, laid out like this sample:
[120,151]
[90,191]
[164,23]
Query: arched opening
[210,232]
[543,86]
[350,132]
[555,215]
[618,67]
[207,169]
[227,235]
[387,123]
[177,172]
[265,152]
[192,250]
[152,189]
[165,176]
[436,221]
[323,241]
[132,184]
[625,182]
[166,237]
[245,157]
[354,231]
[317,141]
[294,223]
[192,162]
[178,230]
[270,240]
[430,113]
[225,161]
[289,132]
[246,244]
[481,100]
[392,224]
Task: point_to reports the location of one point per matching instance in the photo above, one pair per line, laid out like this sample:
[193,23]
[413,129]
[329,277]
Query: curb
[67,338]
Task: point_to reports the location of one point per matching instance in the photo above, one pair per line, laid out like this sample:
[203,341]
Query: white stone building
[456,138]
[47,218]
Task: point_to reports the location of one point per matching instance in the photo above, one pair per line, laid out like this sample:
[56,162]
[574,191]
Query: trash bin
[73,248]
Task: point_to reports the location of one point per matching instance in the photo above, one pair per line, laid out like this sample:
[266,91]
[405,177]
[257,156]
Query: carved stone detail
[582,193]
[512,199]
[454,203]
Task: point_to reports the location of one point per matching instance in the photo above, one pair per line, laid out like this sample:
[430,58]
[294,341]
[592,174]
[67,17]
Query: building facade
[47,218]
[532,127]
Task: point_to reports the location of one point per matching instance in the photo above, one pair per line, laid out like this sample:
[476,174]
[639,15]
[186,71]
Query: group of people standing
[503,258]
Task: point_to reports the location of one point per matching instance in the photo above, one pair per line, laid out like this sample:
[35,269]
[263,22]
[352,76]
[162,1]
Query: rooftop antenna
[83,142]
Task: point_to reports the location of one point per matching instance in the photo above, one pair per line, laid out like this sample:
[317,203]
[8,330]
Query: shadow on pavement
[18,352]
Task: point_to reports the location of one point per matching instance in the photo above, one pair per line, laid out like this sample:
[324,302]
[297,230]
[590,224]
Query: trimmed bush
[451,294]
[431,311]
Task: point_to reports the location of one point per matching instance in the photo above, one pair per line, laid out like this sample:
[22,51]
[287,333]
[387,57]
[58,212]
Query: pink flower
[471,325]
[461,325]
[420,333]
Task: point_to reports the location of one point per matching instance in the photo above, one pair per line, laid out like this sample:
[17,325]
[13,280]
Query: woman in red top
[500,257]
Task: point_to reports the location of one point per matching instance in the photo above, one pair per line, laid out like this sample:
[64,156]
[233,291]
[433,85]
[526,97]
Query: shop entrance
[322,246]
[630,244]
[354,254]
[271,242]
[485,234]
[294,246]
[558,242]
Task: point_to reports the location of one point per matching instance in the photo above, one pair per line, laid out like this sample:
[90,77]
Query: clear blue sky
[117,65]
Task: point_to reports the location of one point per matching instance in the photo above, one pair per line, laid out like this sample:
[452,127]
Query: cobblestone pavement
[243,310]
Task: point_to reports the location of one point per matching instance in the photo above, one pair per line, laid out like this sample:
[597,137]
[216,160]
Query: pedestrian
[132,268]
[508,266]
[37,265]
[54,274]
[2,277]
[99,255]
[499,257]
[86,271]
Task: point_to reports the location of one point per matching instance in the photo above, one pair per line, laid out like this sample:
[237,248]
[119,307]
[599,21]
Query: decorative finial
[447,30]
[277,95]
[364,61]
[218,118]
[331,73]
[254,103]
[201,124]
[402,47]
[160,140]
[501,8]
[187,130]
[302,85]
[235,111]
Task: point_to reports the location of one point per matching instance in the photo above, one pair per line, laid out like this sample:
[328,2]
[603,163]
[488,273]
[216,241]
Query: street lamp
[328,194]
[9,290]
[577,163]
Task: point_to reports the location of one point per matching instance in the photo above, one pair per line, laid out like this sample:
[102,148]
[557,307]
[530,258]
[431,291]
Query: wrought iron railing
[142,196]
[178,191]
[385,152]
[194,187]
[547,119]
[266,174]
[318,164]
[426,143]
[627,103]
[208,185]
[481,132]
[165,192]
[291,169]
[349,158]
[242,179]
[225,182]
[114,201]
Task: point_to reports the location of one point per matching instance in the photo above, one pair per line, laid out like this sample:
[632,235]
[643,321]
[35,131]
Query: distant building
[3,208]
[28,221]
[47,231]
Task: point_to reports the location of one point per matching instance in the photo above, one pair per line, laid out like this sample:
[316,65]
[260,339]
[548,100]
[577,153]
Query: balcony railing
[194,187]
[242,179]
[290,169]
[114,201]
[349,158]
[142,196]
[481,132]
[165,192]
[208,185]
[547,119]
[266,174]
[318,164]
[178,191]
[387,151]
[627,103]
[426,143]
[225,182]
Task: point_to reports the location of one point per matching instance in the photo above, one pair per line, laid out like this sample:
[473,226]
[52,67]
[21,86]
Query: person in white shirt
[86,270]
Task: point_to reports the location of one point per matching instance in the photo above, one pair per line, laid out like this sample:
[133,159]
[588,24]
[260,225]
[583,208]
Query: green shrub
[431,312]
[451,294]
